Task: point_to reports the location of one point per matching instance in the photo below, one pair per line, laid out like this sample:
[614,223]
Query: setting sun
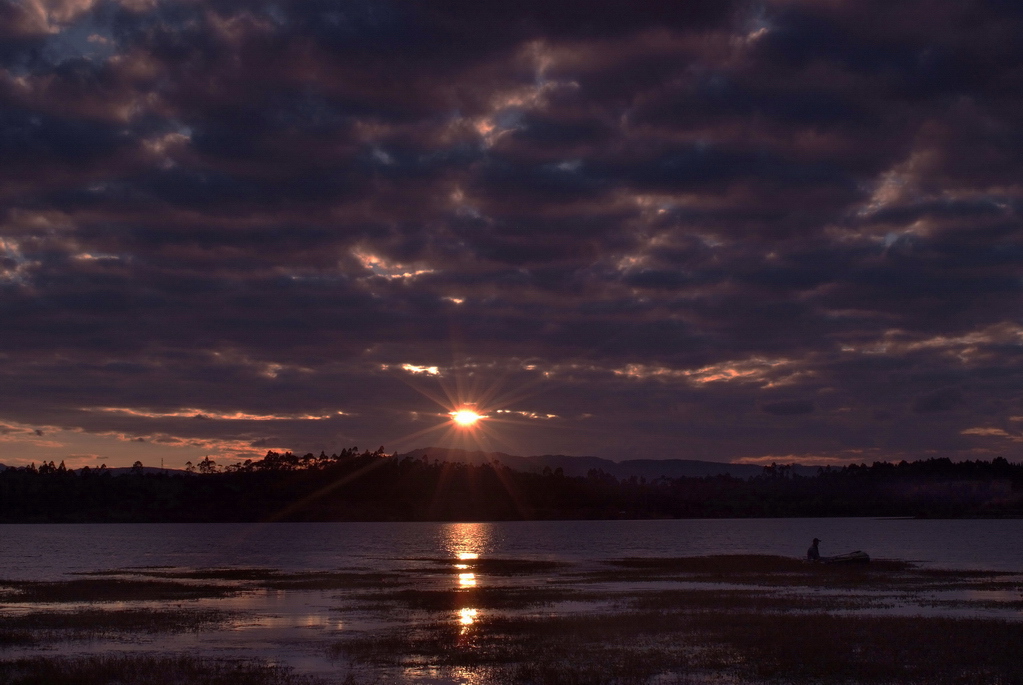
[465,417]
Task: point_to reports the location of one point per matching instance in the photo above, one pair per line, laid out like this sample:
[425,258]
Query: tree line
[372,486]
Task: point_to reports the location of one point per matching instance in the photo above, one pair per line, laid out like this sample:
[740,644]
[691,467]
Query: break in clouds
[753,231]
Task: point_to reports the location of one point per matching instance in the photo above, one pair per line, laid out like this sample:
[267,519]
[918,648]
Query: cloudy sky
[785,230]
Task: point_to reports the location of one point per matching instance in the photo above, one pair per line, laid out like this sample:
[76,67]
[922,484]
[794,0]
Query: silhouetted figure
[814,554]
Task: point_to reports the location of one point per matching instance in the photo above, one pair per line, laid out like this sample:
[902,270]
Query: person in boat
[814,554]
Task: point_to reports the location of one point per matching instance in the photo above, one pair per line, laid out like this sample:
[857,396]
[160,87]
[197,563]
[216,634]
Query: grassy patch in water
[751,600]
[721,564]
[9,637]
[108,590]
[496,567]
[268,578]
[973,604]
[754,566]
[144,670]
[88,622]
[334,581]
[186,573]
[479,598]
[775,571]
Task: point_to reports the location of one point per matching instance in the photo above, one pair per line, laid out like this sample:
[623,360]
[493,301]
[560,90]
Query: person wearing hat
[813,554]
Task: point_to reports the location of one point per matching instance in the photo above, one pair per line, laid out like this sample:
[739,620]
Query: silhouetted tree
[372,486]
[207,465]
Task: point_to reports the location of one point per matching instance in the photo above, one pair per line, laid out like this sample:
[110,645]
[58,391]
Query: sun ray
[446,426]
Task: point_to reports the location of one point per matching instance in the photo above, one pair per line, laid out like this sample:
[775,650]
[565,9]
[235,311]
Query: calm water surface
[43,551]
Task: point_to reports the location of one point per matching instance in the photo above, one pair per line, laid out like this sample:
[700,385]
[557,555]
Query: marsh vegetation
[669,620]
[145,670]
[722,618]
[49,626]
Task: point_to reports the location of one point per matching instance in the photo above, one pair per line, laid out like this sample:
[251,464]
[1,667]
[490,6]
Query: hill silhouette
[650,469]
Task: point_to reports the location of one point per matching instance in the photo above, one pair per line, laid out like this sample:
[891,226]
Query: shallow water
[293,628]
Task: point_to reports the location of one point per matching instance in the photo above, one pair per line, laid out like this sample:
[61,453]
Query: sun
[465,417]
[475,411]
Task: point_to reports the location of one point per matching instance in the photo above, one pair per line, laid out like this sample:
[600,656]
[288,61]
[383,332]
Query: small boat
[856,557]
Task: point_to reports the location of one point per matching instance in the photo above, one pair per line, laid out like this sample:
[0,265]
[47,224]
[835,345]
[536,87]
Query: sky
[750,231]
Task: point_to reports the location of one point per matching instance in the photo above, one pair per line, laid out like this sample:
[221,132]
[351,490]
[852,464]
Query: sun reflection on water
[466,580]
[466,541]
[455,675]
[466,630]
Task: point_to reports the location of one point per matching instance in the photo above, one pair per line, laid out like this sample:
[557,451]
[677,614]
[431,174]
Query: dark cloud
[31,138]
[789,407]
[635,228]
[945,399]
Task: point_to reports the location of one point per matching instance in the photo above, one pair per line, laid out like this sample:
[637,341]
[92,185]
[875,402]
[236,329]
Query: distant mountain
[580,466]
[650,469]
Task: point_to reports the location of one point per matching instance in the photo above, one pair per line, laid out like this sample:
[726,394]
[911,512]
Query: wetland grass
[107,590]
[13,636]
[758,620]
[480,598]
[750,600]
[797,623]
[89,622]
[871,649]
[496,566]
[774,571]
[228,573]
[266,578]
[636,647]
[751,569]
[334,581]
[145,670]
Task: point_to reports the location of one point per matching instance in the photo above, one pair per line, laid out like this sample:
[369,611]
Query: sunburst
[466,417]
[474,409]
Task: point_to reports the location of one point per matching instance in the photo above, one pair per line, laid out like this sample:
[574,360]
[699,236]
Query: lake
[50,551]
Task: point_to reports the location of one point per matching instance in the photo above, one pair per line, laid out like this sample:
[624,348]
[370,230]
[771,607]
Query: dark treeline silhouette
[371,486]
